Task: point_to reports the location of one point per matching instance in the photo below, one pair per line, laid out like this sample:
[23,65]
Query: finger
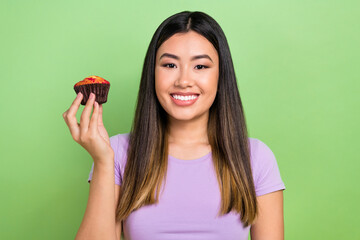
[75,105]
[94,118]
[70,117]
[100,120]
[84,119]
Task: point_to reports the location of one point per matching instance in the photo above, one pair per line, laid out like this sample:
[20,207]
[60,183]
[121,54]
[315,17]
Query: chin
[184,116]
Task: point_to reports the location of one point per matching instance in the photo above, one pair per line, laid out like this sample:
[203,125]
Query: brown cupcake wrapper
[99,89]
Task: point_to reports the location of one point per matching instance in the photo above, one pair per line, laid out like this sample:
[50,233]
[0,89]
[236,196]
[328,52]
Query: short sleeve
[119,144]
[265,169]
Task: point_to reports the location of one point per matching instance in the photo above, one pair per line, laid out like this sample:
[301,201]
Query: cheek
[160,80]
[161,88]
[209,83]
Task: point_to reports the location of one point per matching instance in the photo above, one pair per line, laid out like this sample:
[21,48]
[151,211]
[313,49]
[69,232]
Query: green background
[297,64]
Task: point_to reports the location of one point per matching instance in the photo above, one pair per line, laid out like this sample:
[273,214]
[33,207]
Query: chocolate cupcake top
[91,80]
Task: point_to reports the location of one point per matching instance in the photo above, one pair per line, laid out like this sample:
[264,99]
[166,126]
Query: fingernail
[78,95]
[92,95]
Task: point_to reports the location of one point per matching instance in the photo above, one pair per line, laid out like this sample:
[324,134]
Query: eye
[200,67]
[169,65]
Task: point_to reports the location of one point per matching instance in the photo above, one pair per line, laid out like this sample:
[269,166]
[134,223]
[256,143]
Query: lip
[184,94]
[184,103]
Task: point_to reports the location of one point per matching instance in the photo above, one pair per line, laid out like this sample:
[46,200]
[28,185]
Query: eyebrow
[193,58]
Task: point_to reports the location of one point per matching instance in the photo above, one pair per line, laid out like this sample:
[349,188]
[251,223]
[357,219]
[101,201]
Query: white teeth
[184,98]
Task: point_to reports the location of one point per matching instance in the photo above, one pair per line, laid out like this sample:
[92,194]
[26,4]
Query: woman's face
[186,76]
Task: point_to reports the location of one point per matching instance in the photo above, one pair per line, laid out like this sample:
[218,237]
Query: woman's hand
[90,133]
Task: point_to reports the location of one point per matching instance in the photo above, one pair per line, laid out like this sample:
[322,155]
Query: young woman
[187,169]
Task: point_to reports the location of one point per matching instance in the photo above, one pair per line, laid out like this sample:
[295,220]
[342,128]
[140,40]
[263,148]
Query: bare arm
[97,202]
[269,224]
[99,217]
[118,223]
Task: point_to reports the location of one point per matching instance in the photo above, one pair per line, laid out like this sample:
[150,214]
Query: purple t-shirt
[189,202]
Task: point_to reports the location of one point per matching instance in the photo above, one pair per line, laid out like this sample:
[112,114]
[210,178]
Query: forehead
[187,44]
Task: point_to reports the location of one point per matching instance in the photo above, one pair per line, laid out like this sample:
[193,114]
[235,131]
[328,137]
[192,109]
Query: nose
[184,79]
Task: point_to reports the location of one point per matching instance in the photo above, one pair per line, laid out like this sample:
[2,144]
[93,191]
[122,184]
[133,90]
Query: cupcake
[93,84]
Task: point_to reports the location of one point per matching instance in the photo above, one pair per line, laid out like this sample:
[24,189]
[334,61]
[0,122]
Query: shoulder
[259,151]
[265,168]
[119,144]
[119,141]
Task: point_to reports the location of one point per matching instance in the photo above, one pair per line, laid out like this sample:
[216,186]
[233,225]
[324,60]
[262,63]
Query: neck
[186,132]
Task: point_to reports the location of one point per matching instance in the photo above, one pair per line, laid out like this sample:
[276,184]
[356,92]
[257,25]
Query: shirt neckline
[191,161]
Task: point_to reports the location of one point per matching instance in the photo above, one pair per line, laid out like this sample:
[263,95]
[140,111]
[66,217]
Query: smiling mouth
[184,100]
[185,97]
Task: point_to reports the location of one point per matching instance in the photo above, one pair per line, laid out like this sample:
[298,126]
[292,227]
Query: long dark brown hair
[147,153]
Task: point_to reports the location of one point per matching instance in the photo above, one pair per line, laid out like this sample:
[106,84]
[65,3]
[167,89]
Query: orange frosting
[92,80]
